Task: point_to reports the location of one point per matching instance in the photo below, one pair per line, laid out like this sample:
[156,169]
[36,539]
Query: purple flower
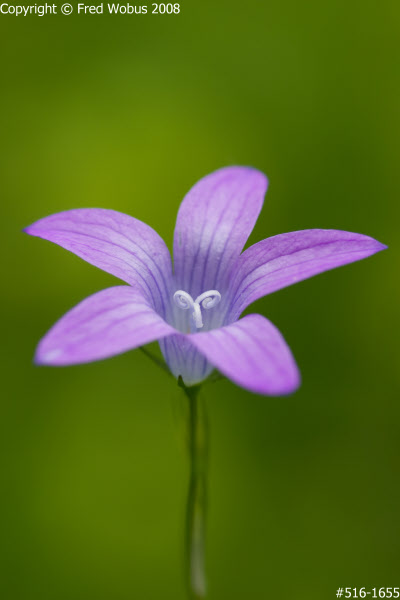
[194,310]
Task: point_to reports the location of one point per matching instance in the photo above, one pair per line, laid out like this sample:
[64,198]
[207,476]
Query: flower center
[205,300]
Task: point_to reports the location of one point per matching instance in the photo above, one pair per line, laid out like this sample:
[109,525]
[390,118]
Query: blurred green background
[127,112]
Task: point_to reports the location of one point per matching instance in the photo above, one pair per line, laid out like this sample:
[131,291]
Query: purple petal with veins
[214,221]
[109,322]
[117,244]
[285,259]
[253,353]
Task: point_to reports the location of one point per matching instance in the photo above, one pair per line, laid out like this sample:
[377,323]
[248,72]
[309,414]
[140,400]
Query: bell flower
[193,309]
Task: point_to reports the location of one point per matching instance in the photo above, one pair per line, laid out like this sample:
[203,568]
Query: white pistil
[206,300]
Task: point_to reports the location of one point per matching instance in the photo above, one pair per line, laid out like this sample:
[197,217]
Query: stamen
[183,299]
[206,300]
[209,299]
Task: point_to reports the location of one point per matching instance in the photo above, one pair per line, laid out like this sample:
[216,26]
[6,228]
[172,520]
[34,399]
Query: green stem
[157,361]
[197,495]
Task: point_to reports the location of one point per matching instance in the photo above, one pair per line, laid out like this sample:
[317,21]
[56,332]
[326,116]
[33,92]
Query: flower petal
[184,360]
[285,259]
[116,243]
[253,353]
[214,221]
[110,322]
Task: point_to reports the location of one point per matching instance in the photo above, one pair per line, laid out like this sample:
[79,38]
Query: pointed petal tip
[38,361]
[374,246]
[237,169]
[248,169]
[290,388]
[47,358]
[31,230]
[283,389]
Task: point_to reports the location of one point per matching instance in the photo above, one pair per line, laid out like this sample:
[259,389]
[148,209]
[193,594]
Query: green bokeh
[127,112]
